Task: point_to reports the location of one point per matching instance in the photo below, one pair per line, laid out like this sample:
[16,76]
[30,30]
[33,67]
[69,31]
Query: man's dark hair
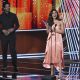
[4,3]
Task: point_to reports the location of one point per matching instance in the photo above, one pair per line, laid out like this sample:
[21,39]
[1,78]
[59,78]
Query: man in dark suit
[8,25]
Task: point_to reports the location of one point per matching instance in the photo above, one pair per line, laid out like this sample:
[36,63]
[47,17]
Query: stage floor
[32,68]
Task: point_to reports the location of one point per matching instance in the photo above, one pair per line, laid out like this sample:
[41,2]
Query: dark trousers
[9,41]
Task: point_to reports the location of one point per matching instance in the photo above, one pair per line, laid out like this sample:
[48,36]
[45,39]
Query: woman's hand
[59,27]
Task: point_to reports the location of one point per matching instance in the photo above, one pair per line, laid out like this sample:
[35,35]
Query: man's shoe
[4,73]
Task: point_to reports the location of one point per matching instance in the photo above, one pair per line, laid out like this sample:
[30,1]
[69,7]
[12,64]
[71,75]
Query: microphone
[54,28]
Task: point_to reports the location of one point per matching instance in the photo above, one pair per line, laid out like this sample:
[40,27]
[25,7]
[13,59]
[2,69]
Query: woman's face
[54,14]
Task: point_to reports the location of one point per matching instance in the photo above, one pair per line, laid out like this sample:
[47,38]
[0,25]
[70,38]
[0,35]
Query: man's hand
[10,30]
[6,33]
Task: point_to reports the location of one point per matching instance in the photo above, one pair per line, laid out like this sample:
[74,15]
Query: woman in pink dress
[54,47]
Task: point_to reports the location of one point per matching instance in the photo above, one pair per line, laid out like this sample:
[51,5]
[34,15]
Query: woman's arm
[48,28]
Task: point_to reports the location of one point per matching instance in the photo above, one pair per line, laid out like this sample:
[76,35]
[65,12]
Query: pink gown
[55,46]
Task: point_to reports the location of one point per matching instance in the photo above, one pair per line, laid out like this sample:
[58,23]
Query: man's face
[7,8]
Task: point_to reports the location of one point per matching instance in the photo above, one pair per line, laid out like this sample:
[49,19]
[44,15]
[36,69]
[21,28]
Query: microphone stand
[51,77]
[51,64]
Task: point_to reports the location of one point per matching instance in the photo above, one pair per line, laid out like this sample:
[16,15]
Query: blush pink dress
[54,51]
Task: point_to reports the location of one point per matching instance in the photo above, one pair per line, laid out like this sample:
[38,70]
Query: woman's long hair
[50,19]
